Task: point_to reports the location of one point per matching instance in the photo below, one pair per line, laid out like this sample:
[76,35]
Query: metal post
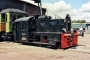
[24,7]
[40,8]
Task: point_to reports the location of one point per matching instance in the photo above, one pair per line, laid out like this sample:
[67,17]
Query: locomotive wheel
[82,34]
[56,46]
[12,38]
[1,39]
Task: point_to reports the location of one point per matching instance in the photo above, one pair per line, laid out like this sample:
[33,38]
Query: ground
[17,51]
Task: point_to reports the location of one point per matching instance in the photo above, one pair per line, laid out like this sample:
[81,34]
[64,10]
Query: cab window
[18,26]
[23,25]
[4,17]
[13,17]
[19,16]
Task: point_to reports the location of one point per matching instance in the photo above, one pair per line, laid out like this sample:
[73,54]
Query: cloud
[85,7]
[57,6]
[83,12]
[61,9]
[82,16]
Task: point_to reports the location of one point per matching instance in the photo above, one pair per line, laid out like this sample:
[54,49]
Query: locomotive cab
[24,28]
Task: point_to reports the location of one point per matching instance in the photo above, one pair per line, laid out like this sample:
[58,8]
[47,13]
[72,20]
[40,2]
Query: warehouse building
[31,9]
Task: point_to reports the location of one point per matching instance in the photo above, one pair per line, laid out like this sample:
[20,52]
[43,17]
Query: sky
[77,9]
[75,3]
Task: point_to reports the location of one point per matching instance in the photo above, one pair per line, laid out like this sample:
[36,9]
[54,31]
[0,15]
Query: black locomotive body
[44,30]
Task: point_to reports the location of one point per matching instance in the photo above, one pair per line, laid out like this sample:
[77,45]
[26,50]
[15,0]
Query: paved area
[84,44]
[17,51]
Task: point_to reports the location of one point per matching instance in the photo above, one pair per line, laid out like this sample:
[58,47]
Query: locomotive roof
[23,19]
[12,10]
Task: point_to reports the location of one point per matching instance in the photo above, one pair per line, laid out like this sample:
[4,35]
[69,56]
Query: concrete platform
[83,44]
[17,51]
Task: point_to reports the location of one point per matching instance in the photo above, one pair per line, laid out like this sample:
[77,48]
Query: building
[87,27]
[78,25]
[22,5]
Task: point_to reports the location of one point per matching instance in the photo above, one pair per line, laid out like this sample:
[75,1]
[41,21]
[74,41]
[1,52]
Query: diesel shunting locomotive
[44,30]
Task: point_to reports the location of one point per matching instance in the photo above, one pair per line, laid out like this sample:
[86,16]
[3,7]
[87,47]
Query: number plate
[24,38]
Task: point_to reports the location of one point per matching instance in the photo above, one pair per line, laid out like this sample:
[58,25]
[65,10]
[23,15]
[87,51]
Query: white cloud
[57,6]
[85,7]
[82,16]
[84,12]
[61,9]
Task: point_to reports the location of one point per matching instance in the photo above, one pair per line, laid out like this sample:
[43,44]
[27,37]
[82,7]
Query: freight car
[7,18]
[44,30]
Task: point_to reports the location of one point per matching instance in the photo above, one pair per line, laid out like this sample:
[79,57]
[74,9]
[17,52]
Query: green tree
[79,21]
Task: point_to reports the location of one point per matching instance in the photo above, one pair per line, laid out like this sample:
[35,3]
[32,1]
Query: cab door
[21,32]
[24,32]
[18,31]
